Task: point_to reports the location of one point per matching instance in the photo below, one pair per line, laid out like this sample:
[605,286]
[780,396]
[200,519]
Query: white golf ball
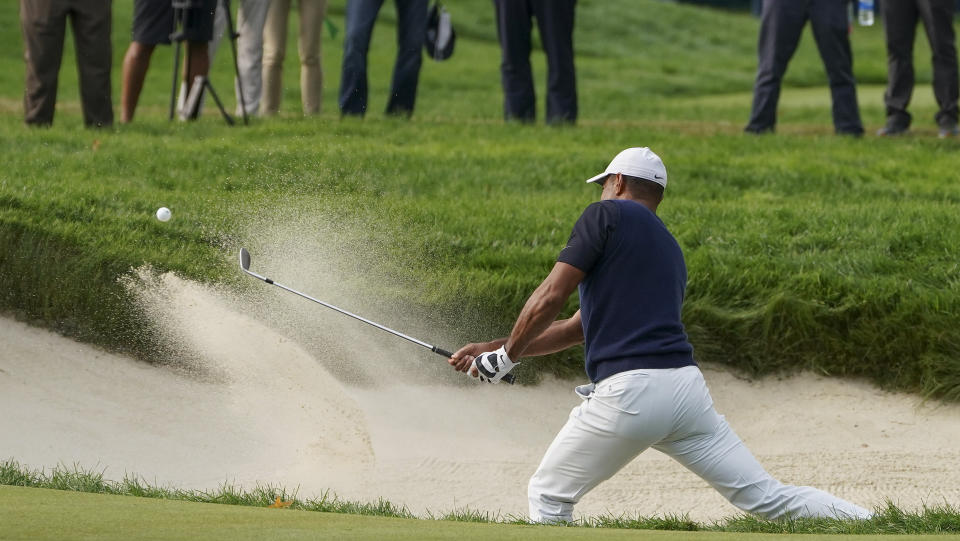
[163,214]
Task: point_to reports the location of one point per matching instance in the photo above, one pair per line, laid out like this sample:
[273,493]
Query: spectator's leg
[43,23]
[152,24]
[251,18]
[220,27]
[274,49]
[937,18]
[311,70]
[91,31]
[899,27]
[360,16]
[781,25]
[516,75]
[411,28]
[135,64]
[198,25]
[198,60]
[831,30]
[555,20]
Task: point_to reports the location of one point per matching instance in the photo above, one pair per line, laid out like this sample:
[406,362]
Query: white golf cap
[640,162]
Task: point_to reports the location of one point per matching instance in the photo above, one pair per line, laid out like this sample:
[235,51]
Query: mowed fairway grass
[35,513]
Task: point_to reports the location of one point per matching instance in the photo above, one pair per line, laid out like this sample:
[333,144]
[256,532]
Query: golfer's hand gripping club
[464,360]
[494,366]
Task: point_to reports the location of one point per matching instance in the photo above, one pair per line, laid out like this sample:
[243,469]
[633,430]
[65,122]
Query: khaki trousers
[274,49]
[44,24]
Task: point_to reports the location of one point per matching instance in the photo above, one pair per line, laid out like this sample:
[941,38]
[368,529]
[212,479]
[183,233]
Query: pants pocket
[624,394]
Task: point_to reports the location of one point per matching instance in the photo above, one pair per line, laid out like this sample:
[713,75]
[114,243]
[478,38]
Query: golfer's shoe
[950,131]
[493,365]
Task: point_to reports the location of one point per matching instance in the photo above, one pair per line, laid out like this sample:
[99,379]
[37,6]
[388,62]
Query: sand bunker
[267,410]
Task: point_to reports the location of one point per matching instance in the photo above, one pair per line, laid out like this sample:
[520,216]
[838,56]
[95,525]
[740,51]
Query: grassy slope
[804,250]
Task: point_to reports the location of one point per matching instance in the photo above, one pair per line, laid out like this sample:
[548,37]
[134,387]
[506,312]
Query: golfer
[646,389]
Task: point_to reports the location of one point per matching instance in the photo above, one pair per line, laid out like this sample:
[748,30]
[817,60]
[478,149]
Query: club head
[244,259]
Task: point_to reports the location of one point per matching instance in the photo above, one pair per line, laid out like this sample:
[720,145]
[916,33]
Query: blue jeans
[411,29]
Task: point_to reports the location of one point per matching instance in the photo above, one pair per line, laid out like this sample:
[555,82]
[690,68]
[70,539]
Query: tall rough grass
[805,251]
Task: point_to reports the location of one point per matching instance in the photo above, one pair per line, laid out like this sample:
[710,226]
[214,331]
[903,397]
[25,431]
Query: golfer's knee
[546,505]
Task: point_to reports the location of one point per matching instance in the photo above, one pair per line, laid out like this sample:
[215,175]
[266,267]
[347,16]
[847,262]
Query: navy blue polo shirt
[632,295]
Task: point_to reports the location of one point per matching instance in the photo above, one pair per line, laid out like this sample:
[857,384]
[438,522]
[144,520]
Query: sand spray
[349,407]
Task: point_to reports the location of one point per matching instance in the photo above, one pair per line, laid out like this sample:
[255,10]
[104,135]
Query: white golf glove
[492,366]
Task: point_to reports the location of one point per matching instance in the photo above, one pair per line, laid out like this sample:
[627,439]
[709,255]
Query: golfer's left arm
[543,307]
[560,335]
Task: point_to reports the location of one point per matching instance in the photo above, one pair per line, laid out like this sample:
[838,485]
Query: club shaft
[351,314]
[508,378]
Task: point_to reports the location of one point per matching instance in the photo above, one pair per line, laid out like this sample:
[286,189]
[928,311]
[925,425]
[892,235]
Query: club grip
[441,351]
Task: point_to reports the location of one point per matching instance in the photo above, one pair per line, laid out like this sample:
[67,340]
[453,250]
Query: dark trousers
[555,22]
[43,23]
[781,25]
[900,25]
[411,29]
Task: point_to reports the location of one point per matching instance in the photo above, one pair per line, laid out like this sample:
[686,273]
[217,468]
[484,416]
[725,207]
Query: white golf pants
[671,411]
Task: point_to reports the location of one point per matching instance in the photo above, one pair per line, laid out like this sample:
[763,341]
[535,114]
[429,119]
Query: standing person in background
[251,17]
[43,23]
[781,25]
[900,25]
[555,22]
[308,45]
[153,22]
[411,30]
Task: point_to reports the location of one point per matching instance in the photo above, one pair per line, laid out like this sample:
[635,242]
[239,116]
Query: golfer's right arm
[560,335]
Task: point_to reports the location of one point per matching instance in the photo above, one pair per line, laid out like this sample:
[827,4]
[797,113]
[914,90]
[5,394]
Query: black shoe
[757,130]
[892,131]
[951,131]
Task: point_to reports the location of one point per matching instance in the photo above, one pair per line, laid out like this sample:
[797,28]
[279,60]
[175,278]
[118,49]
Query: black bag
[440,36]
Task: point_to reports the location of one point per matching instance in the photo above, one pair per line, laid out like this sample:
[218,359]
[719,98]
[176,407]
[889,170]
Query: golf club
[245,265]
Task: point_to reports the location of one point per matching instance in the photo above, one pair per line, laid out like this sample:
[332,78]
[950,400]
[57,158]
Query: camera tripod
[191,104]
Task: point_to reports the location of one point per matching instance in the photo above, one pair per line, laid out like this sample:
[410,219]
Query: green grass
[942,519]
[805,250]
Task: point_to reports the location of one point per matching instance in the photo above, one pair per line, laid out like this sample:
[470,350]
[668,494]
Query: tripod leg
[236,67]
[216,98]
[176,76]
